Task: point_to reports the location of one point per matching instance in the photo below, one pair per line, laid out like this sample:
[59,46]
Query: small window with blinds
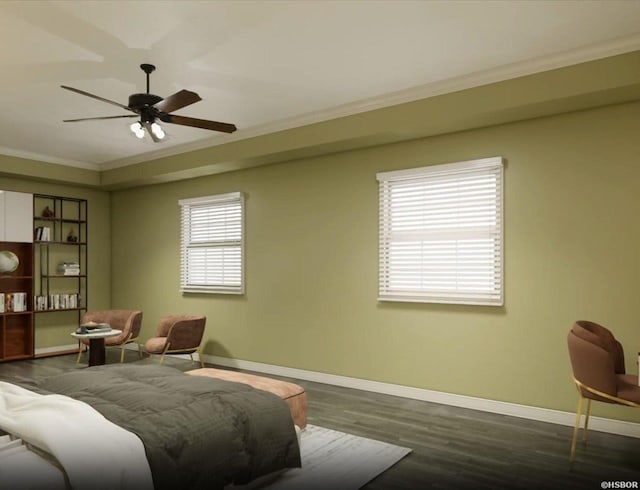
[441,233]
[211,256]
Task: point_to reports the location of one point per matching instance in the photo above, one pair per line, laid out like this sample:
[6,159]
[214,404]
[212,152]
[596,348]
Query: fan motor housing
[137,102]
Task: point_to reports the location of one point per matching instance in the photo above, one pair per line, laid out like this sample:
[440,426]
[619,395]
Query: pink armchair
[178,334]
[597,359]
[129,321]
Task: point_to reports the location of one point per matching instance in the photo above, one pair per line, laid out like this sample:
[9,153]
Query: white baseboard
[57,348]
[611,426]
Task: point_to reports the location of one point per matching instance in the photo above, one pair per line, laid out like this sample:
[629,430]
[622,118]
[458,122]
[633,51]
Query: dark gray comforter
[198,432]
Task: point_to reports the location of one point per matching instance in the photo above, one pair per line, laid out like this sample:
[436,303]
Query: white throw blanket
[95,453]
[23,469]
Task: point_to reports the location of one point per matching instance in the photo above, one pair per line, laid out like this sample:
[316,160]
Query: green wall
[571,239]
[53,329]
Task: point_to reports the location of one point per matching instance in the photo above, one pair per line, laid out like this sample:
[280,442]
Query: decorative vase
[72,237]
[9,262]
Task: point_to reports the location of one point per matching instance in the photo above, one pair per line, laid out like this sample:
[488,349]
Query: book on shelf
[56,302]
[69,268]
[14,302]
[42,234]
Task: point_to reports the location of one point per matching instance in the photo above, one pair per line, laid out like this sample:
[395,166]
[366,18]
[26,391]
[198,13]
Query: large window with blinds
[212,238]
[441,233]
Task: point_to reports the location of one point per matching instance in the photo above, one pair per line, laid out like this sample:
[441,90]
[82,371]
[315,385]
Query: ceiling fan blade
[198,123]
[147,126]
[177,101]
[82,92]
[97,118]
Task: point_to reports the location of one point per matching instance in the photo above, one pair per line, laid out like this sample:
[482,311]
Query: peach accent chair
[597,359]
[178,334]
[129,321]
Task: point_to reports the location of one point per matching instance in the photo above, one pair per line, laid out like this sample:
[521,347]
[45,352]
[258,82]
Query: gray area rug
[334,460]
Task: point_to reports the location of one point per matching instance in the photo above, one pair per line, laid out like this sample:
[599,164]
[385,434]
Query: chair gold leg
[122,353]
[80,351]
[575,429]
[167,346]
[139,351]
[191,357]
[586,421]
[200,357]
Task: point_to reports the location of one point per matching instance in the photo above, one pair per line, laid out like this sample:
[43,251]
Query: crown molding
[48,159]
[493,75]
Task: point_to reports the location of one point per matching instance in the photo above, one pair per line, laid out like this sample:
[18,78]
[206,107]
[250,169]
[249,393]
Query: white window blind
[212,244]
[441,233]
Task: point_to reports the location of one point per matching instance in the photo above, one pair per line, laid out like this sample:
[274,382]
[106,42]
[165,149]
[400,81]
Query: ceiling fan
[150,107]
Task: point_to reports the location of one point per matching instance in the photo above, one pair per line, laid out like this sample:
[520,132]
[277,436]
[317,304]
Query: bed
[193,432]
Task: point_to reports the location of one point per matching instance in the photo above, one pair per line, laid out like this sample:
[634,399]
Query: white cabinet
[16,217]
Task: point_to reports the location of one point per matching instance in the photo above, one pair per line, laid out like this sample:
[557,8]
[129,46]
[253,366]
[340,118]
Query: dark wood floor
[452,447]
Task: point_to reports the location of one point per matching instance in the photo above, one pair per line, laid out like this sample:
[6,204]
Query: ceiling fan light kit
[138,129]
[157,130]
[149,107]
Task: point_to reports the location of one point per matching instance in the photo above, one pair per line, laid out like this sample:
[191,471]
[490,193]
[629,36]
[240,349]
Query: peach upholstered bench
[293,394]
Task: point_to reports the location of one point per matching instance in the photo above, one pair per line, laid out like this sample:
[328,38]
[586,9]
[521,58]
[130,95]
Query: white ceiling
[268,65]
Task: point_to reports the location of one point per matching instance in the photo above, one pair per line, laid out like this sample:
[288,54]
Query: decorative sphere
[8,261]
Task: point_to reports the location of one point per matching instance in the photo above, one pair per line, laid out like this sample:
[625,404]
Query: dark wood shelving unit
[37,274]
[16,327]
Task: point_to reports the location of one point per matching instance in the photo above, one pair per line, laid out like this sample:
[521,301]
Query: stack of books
[69,268]
[92,327]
